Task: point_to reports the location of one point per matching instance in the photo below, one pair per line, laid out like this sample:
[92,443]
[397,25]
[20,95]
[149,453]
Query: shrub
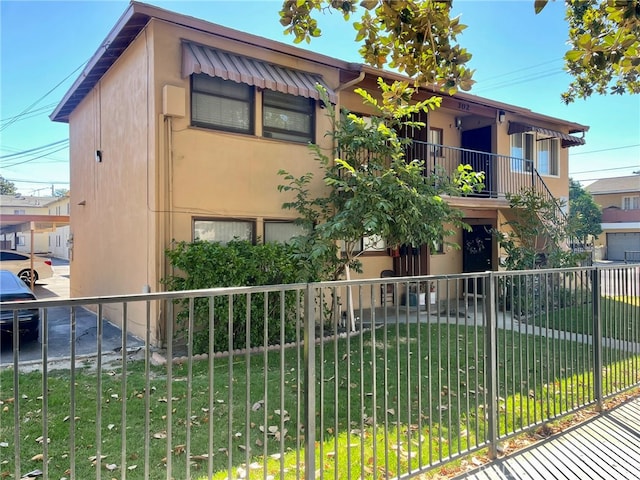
[202,265]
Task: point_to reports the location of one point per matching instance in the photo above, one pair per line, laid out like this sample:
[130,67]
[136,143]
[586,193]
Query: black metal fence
[326,380]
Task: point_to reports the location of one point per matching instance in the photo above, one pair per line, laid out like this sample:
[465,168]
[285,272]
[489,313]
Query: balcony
[503,174]
[616,215]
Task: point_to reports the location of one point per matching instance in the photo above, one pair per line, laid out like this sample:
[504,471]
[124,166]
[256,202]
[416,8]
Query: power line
[28,109]
[606,150]
[603,170]
[35,158]
[502,75]
[37,181]
[33,113]
[31,150]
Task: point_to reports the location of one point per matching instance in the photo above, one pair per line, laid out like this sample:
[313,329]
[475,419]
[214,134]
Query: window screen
[221,104]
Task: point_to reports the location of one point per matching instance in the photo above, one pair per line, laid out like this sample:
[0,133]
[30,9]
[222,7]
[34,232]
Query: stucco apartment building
[178,128]
[51,226]
[619,198]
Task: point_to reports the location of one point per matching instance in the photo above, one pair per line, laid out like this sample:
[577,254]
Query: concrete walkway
[606,447]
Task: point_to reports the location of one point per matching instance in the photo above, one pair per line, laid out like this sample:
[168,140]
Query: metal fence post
[597,338]
[309,383]
[491,368]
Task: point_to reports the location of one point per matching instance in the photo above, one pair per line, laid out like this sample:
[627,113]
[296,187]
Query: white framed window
[19,212]
[221,104]
[528,151]
[437,247]
[223,231]
[373,243]
[522,152]
[631,203]
[281,231]
[436,137]
[288,117]
[21,242]
[548,151]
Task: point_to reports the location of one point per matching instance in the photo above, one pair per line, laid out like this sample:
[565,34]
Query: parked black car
[12,289]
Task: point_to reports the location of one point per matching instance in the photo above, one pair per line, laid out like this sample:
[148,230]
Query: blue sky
[517,56]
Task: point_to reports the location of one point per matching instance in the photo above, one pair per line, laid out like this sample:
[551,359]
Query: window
[281,231]
[436,137]
[373,243]
[631,203]
[437,247]
[221,104]
[288,117]
[522,146]
[19,212]
[548,156]
[223,231]
[21,241]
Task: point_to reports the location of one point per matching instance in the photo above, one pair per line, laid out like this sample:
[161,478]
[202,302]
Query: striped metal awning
[216,63]
[567,140]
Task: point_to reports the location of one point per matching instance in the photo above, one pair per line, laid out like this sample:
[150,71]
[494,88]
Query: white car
[20,264]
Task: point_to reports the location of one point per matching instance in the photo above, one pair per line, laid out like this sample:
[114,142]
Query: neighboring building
[178,128]
[59,238]
[619,198]
[19,237]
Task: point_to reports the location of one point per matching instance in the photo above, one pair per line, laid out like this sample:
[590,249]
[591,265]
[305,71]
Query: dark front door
[479,140]
[477,251]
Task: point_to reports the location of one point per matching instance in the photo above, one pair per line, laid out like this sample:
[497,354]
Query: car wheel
[25,276]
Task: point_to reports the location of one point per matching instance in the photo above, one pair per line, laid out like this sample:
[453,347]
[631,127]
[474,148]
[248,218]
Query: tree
[61,192]
[605,47]
[373,189]
[7,187]
[537,236]
[418,37]
[585,216]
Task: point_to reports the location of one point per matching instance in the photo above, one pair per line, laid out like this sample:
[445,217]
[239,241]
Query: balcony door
[479,140]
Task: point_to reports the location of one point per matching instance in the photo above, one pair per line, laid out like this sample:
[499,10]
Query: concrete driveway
[59,327]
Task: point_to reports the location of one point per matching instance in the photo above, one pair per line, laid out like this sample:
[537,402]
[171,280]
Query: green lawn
[620,318]
[412,403]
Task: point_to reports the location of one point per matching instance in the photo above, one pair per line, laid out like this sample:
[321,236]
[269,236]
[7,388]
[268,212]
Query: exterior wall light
[501,116]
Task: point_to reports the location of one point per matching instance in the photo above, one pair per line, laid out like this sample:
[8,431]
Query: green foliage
[605,48]
[373,189]
[411,36]
[418,38]
[585,215]
[540,234]
[203,265]
[7,187]
[539,238]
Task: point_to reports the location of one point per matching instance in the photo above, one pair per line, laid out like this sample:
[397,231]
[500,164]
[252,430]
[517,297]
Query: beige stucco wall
[158,172]
[611,199]
[111,202]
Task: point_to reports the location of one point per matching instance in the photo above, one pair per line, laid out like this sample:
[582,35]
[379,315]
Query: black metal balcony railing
[504,175]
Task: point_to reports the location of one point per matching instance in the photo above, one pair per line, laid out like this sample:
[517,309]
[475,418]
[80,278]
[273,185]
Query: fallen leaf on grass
[32,474]
[93,458]
[37,458]
[160,435]
[111,466]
